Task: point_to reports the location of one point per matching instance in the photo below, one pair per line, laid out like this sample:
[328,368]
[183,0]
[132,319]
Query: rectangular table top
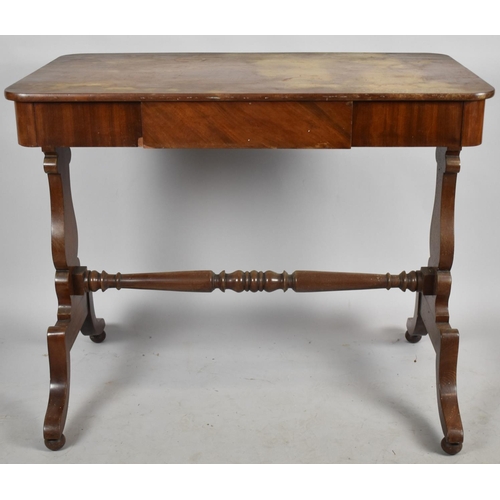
[249,76]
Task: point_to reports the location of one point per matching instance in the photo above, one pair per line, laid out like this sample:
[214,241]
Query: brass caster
[98,338]
[413,339]
[451,448]
[55,444]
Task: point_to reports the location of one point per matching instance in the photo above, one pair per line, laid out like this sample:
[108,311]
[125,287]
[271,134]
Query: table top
[250,76]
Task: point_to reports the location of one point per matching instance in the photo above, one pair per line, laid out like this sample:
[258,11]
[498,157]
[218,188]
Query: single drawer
[239,124]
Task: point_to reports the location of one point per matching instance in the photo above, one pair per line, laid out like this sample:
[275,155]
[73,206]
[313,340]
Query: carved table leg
[432,314]
[75,311]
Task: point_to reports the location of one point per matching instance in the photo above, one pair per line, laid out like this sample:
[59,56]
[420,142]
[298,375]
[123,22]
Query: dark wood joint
[428,280]
[78,276]
[434,281]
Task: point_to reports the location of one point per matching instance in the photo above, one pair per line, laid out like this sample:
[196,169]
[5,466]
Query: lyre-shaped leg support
[75,312]
[431,309]
[75,285]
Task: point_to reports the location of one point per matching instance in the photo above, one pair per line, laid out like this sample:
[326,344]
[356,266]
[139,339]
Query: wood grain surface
[267,76]
[247,124]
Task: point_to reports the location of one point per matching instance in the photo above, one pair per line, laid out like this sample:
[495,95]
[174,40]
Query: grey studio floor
[251,379]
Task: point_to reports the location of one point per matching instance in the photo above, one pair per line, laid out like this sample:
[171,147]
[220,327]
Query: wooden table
[317,100]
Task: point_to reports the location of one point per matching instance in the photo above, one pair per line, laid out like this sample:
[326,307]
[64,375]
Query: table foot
[59,363]
[60,339]
[98,338]
[446,380]
[450,448]
[55,444]
[445,341]
[413,339]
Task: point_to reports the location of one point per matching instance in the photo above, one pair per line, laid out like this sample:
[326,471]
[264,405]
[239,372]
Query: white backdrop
[363,210]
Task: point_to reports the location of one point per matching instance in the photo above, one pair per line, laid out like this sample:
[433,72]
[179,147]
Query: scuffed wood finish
[75,312]
[431,311]
[247,124]
[302,100]
[317,100]
[249,281]
[267,76]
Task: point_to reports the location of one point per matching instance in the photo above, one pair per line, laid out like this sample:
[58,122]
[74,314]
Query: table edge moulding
[250,100]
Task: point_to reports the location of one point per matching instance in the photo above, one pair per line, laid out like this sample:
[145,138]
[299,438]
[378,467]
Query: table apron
[247,125]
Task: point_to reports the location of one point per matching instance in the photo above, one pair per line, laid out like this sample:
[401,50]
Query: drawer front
[247,124]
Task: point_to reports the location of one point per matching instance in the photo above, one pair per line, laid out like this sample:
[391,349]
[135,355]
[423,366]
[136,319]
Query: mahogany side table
[209,100]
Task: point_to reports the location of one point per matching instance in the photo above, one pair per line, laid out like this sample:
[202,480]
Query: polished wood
[75,312]
[88,124]
[407,124]
[472,124]
[306,100]
[26,128]
[431,311]
[444,338]
[317,100]
[249,281]
[247,124]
